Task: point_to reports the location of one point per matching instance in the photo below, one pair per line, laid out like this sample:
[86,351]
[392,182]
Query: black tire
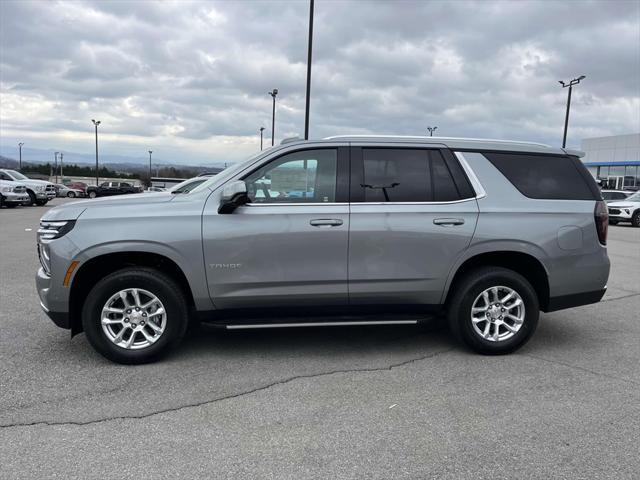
[469,288]
[154,281]
[71,194]
[41,203]
[635,220]
[1,201]
[92,195]
[32,198]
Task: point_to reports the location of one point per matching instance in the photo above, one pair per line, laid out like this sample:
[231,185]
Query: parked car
[627,210]
[188,185]
[65,191]
[155,190]
[39,191]
[391,230]
[111,188]
[13,194]
[614,195]
[78,186]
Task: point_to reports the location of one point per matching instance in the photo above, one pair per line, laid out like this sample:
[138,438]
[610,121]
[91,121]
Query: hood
[72,210]
[31,181]
[623,204]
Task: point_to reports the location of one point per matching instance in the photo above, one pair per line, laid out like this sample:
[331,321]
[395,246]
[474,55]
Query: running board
[319,324]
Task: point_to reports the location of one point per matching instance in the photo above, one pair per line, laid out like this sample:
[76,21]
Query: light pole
[20,148]
[61,170]
[55,166]
[150,152]
[96,123]
[431,130]
[570,84]
[261,130]
[273,94]
[309,51]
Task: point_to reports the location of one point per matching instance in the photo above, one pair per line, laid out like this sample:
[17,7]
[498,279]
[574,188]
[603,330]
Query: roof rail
[290,140]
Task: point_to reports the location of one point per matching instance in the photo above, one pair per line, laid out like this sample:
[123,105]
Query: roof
[612,164]
[453,143]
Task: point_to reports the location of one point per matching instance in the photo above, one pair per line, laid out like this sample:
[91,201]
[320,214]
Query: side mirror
[234,194]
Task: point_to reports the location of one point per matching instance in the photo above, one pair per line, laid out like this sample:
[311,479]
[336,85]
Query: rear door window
[545,176]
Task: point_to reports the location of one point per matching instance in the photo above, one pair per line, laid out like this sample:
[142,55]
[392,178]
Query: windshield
[635,197]
[187,185]
[16,175]
[231,170]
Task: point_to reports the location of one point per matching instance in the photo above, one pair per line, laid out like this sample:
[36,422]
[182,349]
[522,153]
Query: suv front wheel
[493,310]
[135,315]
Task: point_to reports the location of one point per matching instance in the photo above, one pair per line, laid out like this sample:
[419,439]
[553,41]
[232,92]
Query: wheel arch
[520,262]
[99,266]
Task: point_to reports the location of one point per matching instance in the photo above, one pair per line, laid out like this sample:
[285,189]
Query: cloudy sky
[190,79]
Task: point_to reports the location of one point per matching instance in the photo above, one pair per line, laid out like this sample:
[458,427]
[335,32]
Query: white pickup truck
[39,191]
[13,194]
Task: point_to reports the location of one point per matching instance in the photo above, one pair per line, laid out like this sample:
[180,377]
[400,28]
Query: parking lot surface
[392,402]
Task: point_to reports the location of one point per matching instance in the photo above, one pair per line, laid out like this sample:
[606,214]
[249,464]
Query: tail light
[601,215]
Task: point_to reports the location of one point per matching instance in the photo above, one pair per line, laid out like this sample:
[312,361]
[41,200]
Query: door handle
[447,222]
[326,222]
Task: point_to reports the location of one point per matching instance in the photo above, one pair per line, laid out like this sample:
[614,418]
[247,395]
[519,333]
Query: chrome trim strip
[43,307]
[306,204]
[475,183]
[319,324]
[413,203]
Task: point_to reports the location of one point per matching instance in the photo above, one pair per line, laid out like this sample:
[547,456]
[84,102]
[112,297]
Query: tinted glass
[307,176]
[444,189]
[396,175]
[543,176]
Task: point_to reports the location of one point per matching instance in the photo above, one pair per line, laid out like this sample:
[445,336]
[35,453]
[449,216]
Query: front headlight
[6,189]
[53,230]
[40,188]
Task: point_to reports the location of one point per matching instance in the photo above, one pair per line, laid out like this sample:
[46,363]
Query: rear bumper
[574,300]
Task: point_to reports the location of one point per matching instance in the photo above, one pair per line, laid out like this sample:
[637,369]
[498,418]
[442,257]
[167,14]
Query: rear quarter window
[549,177]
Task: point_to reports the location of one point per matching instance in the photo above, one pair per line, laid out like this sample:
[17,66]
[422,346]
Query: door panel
[288,247]
[412,214]
[274,256]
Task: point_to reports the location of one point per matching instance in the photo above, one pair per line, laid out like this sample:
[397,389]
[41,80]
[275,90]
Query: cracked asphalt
[376,402]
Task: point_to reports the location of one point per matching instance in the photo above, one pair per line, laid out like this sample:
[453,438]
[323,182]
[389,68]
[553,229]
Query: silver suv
[340,231]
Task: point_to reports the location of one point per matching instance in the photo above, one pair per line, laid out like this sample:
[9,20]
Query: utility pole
[309,52]
[55,166]
[20,148]
[273,94]
[261,130]
[61,169]
[431,130]
[96,123]
[570,84]
[150,152]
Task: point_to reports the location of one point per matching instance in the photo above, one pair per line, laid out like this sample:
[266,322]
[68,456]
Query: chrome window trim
[416,203]
[475,183]
[293,204]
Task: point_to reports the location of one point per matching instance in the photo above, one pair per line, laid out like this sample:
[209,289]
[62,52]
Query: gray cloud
[192,77]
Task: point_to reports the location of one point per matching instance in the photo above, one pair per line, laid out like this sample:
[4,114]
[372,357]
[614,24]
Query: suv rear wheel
[135,315]
[493,310]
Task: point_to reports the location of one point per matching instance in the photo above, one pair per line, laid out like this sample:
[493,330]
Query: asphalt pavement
[369,402]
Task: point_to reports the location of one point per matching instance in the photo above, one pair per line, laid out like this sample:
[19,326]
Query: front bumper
[15,198]
[53,300]
[620,214]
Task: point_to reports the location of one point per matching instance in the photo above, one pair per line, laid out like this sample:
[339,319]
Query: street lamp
[61,171]
[55,166]
[431,130]
[261,130]
[96,123]
[273,94]
[570,84]
[150,152]
[20,148]
[309,51]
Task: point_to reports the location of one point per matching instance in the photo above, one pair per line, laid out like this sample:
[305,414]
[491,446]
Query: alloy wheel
[497,313]
[133,319]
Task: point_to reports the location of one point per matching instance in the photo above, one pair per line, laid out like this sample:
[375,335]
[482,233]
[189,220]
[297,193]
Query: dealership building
[614,160]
